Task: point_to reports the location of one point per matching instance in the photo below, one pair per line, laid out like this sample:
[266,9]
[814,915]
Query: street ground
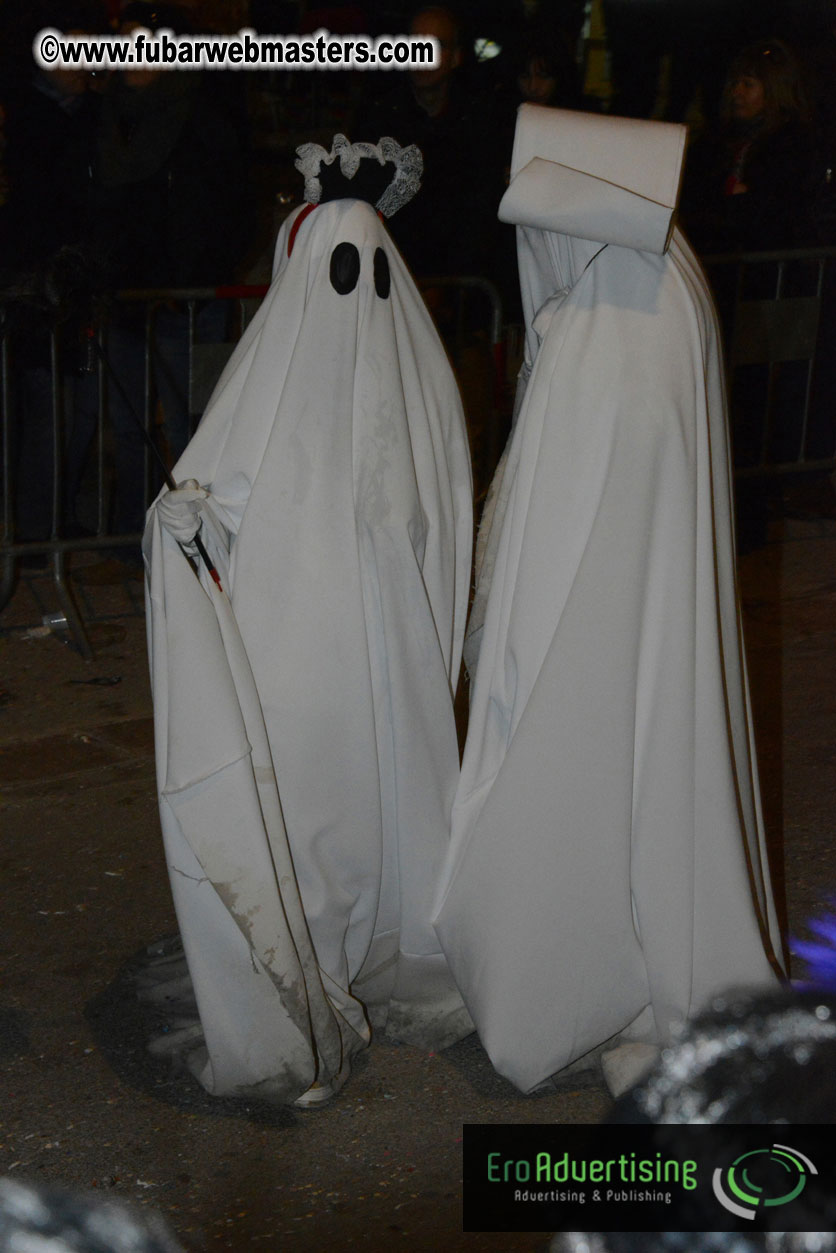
[84,1105]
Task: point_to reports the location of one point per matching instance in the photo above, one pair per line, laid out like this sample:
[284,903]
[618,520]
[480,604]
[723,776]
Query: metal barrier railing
[75,389]
[79,390]
[156,351]
[778,314]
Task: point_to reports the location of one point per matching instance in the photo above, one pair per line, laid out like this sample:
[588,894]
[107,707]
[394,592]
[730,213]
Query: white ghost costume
[607,873]
[306,745]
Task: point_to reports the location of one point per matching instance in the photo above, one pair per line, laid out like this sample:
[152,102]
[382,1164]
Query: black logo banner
[547,1177]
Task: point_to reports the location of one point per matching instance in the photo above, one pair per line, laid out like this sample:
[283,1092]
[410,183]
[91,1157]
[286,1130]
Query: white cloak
[607,867]
[306,745]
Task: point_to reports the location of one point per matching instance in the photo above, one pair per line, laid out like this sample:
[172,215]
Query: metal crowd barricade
[778,314]
[73,348]
[56,377]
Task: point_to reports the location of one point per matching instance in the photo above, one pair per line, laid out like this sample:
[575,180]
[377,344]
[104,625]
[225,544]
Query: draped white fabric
[607,871]
[306,743]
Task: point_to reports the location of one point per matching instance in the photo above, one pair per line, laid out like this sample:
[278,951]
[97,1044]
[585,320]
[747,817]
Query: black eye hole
[382,277]
[345,268]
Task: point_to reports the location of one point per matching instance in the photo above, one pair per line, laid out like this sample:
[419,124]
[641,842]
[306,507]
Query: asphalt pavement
[85,891]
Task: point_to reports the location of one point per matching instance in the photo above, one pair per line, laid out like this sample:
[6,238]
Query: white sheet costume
[306,746]
[607,871]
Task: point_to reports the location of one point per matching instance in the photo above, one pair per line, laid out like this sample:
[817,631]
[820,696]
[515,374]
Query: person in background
[750,183]
[547,71]
[704,36]
[50,264]
[171,209]
[455,229]
[756,182]
[638,36]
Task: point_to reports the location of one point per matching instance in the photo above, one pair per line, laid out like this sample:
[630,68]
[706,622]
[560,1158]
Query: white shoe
[626,1064]
[319,1093]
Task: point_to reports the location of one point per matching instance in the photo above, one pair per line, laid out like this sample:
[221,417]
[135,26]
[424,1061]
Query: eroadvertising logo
[762,1178]
[639,1177]
[626,1177]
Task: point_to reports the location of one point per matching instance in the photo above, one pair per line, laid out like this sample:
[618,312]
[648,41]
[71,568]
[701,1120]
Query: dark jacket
[50,158]
[172,206]
[780,170]
[451,226]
